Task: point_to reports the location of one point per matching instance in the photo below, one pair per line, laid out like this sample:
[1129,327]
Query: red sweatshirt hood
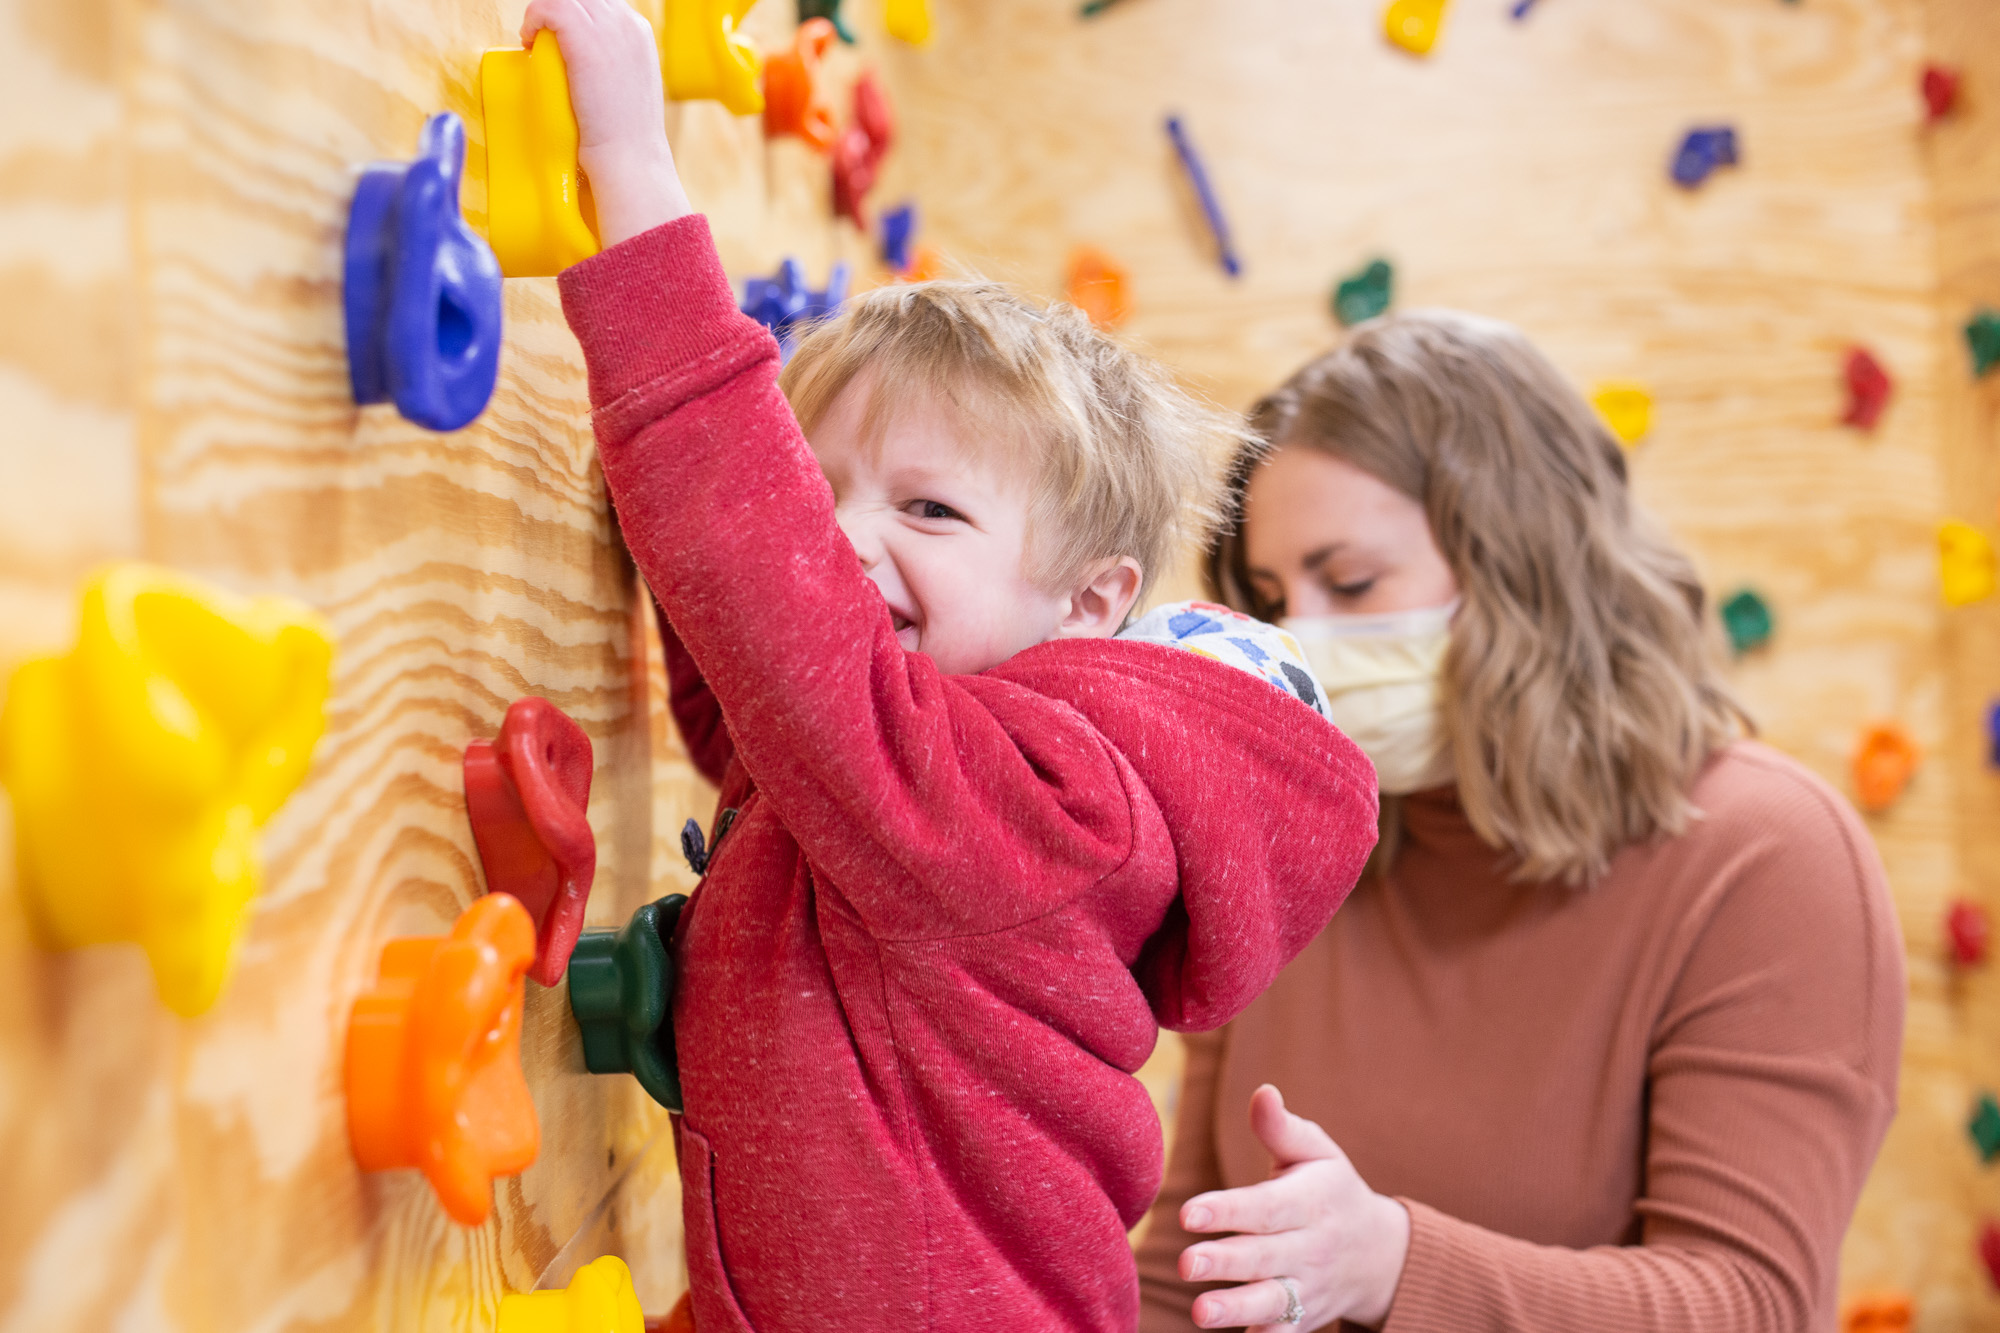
[1272,811]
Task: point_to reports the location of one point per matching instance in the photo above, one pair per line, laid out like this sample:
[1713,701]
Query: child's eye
[932,509]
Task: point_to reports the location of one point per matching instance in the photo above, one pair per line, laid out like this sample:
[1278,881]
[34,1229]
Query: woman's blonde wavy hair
[1581,693]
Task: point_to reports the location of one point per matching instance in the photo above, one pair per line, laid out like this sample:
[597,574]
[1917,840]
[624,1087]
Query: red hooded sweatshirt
[941,933]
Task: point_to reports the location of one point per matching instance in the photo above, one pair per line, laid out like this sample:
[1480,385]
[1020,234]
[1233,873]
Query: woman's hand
[1315,1221]
[621,111]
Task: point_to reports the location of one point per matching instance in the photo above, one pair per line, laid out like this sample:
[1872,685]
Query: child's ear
[1097,609]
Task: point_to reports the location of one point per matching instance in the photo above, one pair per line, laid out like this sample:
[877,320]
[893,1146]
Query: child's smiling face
[942,530]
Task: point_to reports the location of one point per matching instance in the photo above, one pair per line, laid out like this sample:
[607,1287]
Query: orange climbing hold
[1096,286]
[1884,763]
[795,94]
[434,1059]
[1878,1312]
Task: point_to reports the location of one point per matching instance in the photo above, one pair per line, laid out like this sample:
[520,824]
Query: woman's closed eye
[1350,591]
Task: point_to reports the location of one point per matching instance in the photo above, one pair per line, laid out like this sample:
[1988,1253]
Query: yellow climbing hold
[1626,408]
[1965,563]
[909,20]
[599,1299]
[142,762]
[538,217]
[704,57]
[1414,24]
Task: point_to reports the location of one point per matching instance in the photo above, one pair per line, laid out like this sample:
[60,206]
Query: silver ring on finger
[1295,1309]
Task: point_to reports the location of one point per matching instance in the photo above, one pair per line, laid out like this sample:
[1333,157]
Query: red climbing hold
[1989,1249]
[1868,389]
[1968,928]
[1940,92]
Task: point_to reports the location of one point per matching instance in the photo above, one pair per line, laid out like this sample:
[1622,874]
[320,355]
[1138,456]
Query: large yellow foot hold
[909,20]
[538,215]
[1414,24]
[143,761]
[704,57]
[599,1299]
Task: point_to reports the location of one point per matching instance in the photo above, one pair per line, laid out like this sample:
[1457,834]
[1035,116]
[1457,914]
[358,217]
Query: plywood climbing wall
[173,183]
[174,386]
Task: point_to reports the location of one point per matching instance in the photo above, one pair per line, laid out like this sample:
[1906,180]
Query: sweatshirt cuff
[650,305]
[1440,1290]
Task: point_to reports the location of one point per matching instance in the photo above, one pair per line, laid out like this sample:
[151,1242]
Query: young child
[981,849]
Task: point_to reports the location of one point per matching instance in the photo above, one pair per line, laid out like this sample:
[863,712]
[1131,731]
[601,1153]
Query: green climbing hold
[1982,335]
[1985,1127]
[1747,618]
[830,11]
[621,990]
[1365,295]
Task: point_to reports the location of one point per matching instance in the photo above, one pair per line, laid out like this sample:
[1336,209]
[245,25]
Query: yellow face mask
[1381,676]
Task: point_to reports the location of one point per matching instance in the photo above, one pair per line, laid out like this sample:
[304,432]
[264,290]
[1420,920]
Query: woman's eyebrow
[1319,556]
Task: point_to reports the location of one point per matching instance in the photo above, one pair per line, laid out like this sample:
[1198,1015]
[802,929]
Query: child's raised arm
[621,111]
[940,805]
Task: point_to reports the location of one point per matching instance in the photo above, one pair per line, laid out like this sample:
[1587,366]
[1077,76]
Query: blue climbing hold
[1701,152]
[899,231]
[421,289]
[783,303]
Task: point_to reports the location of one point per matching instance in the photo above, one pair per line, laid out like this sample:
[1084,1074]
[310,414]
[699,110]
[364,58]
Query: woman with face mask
[1607,1038]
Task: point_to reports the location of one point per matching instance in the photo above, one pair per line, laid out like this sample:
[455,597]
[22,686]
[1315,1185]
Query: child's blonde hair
[1121,460]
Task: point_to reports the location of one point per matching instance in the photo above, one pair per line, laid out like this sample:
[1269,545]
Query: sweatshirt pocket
[713,1299]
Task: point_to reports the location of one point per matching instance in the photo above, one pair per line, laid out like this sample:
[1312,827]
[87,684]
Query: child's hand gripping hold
[621,112]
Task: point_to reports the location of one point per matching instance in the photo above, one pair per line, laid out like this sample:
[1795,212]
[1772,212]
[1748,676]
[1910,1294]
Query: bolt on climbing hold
[1414,25]
[858,152]
[704,58]
[908,20]
[599,1299]
[1868,389]
[1702,150]
[621,991]
[1211,207]
[527,797]
[1884,762]
[433,1061]
[1984,1127]
[1968,930]
[1627,409]
[796,98]
[1940,89]
[1966,565]
[143,761]
[1747,619]
[1982,335]
[1364,295]
[420,289]
[783,303]
[830,11]
[537,213]
[1877,1312]
[1096,285]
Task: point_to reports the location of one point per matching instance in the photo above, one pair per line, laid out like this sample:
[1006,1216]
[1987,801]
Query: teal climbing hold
[1364,295]
[621,989]
[1747,618]
[1982,335]
[1985,1127]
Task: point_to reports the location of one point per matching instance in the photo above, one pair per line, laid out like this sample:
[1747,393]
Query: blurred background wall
[174,179]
